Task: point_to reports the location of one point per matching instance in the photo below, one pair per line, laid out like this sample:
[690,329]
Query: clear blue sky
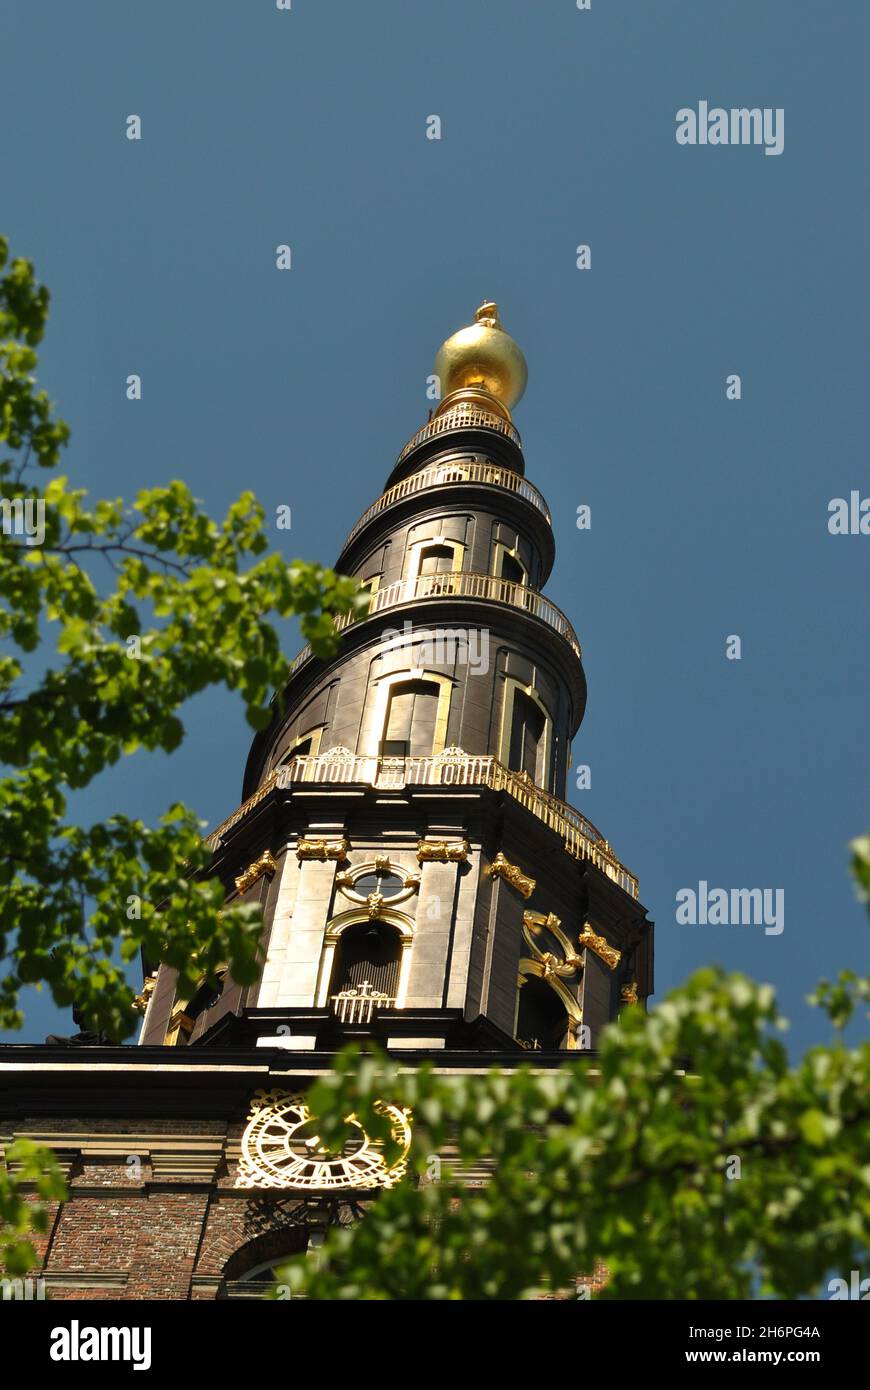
[307,127]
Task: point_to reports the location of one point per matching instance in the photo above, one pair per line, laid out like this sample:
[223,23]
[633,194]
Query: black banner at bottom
[63,1336]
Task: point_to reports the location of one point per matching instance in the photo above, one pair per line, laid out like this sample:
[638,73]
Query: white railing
[450,471]
[453,767]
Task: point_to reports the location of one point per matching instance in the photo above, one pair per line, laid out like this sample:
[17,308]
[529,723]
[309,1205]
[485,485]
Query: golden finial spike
[488,313]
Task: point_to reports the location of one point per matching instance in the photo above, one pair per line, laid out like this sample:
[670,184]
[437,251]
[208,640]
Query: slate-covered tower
[403,823]
[422,882]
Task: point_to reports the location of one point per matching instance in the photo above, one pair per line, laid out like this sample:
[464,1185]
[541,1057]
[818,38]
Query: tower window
[412,711]
[302,749]
[305,745]
[368,953]
[527,735]
[542,1021]
[436,559]
[508,565]
[371,586]
[204,999]
[511,569]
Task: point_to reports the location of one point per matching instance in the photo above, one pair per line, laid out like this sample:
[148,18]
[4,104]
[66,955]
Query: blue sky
[709,517]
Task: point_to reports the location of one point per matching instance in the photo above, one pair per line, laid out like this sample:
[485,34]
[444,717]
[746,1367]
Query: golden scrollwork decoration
[264,865]
[282,1149]
[536,928]
[321,849]
[512,874]
[442,851]
[553,959]
[599,944]
[140,1001]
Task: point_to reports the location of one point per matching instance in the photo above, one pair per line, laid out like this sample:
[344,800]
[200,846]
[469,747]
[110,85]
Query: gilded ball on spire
[483,357]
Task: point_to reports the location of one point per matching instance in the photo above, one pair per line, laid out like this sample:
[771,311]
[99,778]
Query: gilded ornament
[445,851]
[600,946]
[535,924]
[346,880]
[281,1149]
[512,874]
[322,849]
[482,358]
[140,1001]
[264,865]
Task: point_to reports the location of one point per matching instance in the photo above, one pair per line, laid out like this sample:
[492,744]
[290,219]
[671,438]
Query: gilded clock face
[281,1148]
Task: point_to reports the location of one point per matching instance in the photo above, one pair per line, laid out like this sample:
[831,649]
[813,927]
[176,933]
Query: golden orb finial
[482,358]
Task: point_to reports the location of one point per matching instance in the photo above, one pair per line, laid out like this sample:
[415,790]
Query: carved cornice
[442,851]
[600,946]
[512,874]
[160,1157]
[264,865]
[582,840]
[322,849]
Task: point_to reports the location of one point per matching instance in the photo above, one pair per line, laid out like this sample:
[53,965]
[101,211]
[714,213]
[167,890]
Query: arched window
[412,715]
[252,1269]
[542,1020]
[361,949]
[407,714]
[431,562]
[367,953]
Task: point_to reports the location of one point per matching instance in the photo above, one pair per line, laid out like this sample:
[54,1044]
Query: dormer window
[508,565]
[412,715]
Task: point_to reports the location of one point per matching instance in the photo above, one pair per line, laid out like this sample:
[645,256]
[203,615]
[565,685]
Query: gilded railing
[458,470]
[453,767]
[460,418]
[360,1004]
[460,584]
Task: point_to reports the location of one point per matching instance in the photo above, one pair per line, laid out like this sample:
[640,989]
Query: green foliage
[35,1172]
[630,1161]
[118,616]
[633,1167]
